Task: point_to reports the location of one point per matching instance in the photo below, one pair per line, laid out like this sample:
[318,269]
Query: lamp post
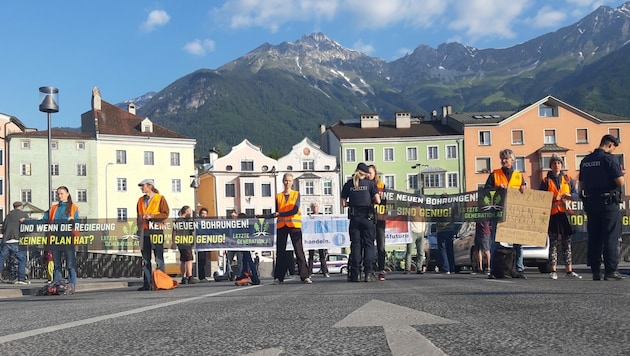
[420,180]
[194,183]
[49,99]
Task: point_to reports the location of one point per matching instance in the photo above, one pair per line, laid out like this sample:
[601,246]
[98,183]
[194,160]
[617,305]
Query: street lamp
[49,99]
[420,180]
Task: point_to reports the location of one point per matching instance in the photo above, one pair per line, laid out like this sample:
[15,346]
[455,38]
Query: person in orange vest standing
[289,223]
[507,177]
[563,189]
[63,211]
[152,210]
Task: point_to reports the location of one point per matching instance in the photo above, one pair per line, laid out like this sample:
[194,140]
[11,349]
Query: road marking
[396,321]
[49,329]
[274,351]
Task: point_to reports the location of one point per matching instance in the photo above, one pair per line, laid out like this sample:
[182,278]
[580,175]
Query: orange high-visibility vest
[152,208]
[558,206]
[294,221]
[500,179]
[53,210]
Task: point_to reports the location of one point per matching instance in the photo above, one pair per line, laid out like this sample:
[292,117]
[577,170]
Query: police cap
[363,168]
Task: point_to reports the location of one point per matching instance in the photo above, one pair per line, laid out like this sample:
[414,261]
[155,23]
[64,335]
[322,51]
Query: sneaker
[243,281]
[487,270]
[326,275]
[22,281]
[184,281]
[145,288]
[381,276]
[614,276]
[554,275]
[192,280]
[573,275]
[307,281]
[521,275]
[277,281]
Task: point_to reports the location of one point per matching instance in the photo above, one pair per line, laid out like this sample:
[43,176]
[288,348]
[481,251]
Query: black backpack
[503,262]
[58,288]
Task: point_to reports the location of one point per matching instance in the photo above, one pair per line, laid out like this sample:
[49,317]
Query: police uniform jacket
[598,172]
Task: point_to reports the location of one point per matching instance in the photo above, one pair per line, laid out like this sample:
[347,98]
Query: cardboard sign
[526,217]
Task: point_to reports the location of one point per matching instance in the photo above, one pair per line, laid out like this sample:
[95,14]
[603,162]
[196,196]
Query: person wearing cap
[563,189]
[359,195]
[9,244]
[503,178]
[152,210]
[601,180]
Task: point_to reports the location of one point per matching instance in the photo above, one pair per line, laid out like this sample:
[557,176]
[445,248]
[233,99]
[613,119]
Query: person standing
[483,230]
[359,195]
[289,223]
[445,236]
[63,211]
[418,228]
[10,239]
[503,178]
[202,256]
[233,253]
[185,250]
[601,180]
[152,210]
[563,189]
[380,226]
[323,253]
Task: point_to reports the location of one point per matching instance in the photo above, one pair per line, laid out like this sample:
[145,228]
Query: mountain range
[276,95]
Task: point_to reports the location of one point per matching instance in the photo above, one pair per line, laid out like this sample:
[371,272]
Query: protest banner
[526,217]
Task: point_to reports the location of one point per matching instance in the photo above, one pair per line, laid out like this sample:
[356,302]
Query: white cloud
[199,47]
[365,48]
[155,19]
[408,13]
[404,51]
[547,17]
[487,18]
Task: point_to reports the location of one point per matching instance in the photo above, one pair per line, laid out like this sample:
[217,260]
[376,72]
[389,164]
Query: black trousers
[604,231]
[281,245]
[362,250]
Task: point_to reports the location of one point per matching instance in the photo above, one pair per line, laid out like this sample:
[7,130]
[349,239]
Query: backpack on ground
[503,262]
[57,288]
[163,281]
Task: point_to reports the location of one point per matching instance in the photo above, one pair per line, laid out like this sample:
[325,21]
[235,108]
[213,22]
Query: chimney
[403,120]
[213,155]
[446,110]
[96,99]
[131,108]
[434,115]
[369,121]
[322,129]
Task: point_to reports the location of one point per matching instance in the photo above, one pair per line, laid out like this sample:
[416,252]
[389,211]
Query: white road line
[53,328]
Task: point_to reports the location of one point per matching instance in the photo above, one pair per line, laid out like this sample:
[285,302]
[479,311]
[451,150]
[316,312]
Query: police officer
[601,180]
[360,194]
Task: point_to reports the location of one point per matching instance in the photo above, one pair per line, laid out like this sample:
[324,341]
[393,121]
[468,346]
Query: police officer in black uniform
[360,194]
[601,180]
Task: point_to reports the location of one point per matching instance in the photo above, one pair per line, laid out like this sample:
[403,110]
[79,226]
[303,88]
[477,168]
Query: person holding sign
[359,195]
[64,211]
[601,180]
[563,189]
[152,210]
[503,178]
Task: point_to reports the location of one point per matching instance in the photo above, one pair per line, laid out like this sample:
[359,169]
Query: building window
[121,214]
[328,209]
[53,196]
[482,165]
[1,157]
[412,181]
[25,170]
[434,180]
[54,145]
[176,185]
[249,212]
[247,166]
[148,158]
[484,138]
[265,189]
[412,153]
[26,196]
[25,144]
[266,211]
[230,190]
[82,169]
[80,145]
[432,152]
[519,163]
[368,154]
[121,157]
[350,155]
[309,188]
[550,136]
[388,154]
[452,180]
[1,186]
[582,135]
[174,158]
[578,161]
[451,152]
[308,165]
[121,184]
[54,169]
[82,195]
[328,187]
[389,182]
[249,189]
[517,137]
[547,111]
[615,132]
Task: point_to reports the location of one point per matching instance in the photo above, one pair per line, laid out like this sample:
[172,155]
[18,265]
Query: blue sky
[128,48]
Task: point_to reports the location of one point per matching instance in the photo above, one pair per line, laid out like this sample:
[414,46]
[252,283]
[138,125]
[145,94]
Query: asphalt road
[431,314]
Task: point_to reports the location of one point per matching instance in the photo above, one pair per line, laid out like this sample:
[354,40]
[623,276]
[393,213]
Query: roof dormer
[146,125]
